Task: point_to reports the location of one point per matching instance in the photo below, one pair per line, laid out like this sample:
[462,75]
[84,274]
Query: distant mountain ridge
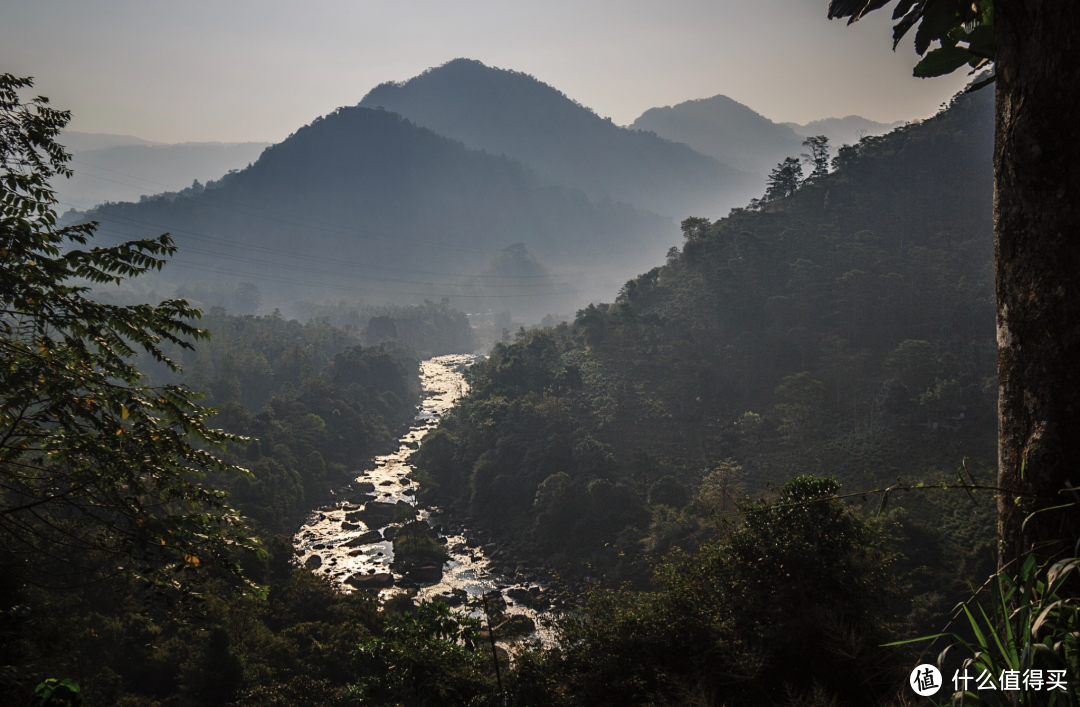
[514,114]
[367,201]
[725,129]
[845,131]
[76,141]
[128,171]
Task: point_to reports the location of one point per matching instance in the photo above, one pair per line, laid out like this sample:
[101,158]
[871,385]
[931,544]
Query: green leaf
[941,61]
[916,640]
[938,17]
[980,41]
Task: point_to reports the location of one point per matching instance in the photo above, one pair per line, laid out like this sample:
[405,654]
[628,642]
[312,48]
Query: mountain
[76,141]
[845,131]
[847,331]
[365,201]
[107,169]
[727,130]
[514,114]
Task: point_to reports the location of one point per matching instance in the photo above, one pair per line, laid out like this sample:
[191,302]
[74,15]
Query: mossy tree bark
[1037,246]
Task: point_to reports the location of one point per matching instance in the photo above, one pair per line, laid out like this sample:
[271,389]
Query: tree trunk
[1037,252]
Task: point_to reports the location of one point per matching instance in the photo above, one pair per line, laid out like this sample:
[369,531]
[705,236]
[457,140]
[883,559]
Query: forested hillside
[845,331]
[316,405]
[367,202]
[511,113]
[315,402]
[844,131]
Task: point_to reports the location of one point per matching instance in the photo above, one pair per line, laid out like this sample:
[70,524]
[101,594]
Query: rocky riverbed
[351,539]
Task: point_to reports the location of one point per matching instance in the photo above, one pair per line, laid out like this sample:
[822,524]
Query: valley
[458,391]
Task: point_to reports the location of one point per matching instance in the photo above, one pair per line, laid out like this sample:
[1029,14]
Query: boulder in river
[372,536]
[313,562]
[379,580]
[363,487]
[520,595]
[425,574]
[455,597]
[375,514]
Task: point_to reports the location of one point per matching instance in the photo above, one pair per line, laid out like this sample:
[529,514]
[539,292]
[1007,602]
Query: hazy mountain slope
[725,129]
[844,131]
[368,202]
[76,141]
[125,172]
[511,113]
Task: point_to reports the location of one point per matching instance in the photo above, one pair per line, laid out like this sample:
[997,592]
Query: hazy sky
[237,70]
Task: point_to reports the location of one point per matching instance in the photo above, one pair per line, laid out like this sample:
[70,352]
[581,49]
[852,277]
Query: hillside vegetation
[845,331]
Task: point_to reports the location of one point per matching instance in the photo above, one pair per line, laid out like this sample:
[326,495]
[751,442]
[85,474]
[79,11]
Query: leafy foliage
[97,469]
[964,31]
[722,626]
[430,657]
[315,401]
[784,180]
[57,693]
[1026,623]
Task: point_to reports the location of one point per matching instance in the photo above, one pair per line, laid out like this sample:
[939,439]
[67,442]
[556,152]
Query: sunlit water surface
[468,570]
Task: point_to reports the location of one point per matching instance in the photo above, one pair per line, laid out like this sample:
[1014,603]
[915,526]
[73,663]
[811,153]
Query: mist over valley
[332,380]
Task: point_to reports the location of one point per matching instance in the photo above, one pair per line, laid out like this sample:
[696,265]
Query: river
[330,544]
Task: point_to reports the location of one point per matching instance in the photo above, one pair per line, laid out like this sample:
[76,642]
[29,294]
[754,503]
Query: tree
[784,180]
[818,157]
[1036,239]
[98,471]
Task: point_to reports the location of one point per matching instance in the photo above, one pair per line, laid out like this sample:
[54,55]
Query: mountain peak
[515,114]
[725,129]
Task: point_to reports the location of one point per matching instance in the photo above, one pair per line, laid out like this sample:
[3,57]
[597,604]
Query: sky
[256,70]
